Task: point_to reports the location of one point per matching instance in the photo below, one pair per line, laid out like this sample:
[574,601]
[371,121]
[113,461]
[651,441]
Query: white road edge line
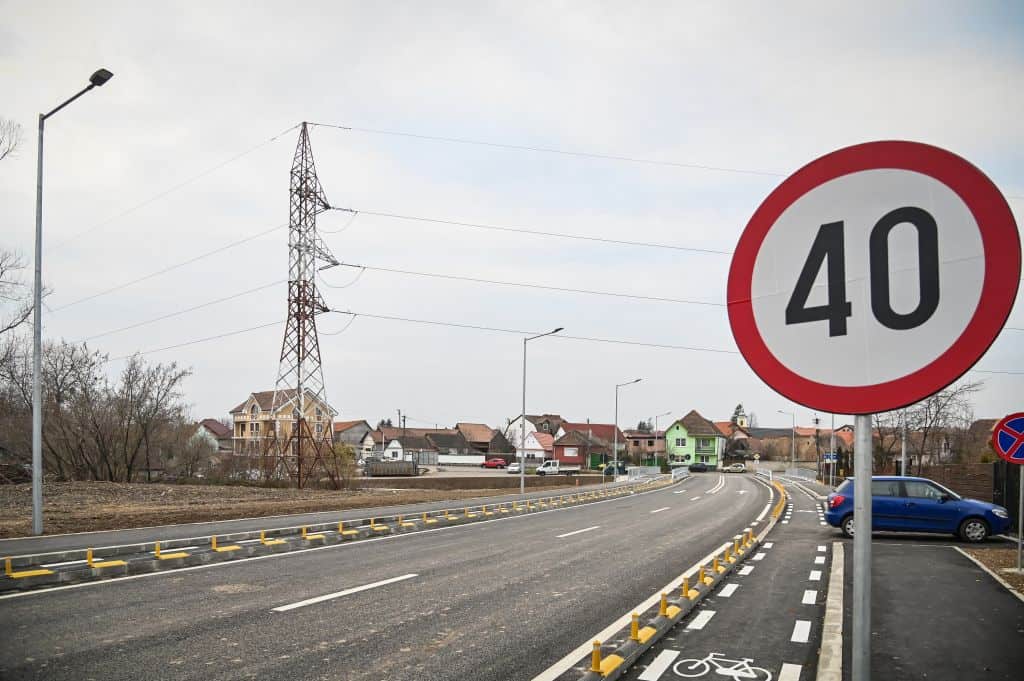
[574,656]
[659,665]
[569,534]
[346,592]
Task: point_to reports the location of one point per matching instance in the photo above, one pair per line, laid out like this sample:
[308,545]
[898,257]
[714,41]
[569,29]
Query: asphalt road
[764,621]
[64,542]
[489,601]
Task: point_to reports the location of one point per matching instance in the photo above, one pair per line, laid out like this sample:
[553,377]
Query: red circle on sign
[1004,425]
[1000,241]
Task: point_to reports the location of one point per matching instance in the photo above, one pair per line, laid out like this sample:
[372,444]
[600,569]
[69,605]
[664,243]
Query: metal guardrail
[764,473]
[802,473]
[680,472]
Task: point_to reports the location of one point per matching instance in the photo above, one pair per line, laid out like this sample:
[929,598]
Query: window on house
[704,443]
[650,443]
[636,443]
[254,410]
[680,442]
[319,428]
[254,428]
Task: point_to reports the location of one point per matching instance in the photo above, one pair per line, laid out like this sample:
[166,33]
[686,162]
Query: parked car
[513,467]
[735,468]
[698,467]
[905,504]
[556,467]
[494,463]
[610,469]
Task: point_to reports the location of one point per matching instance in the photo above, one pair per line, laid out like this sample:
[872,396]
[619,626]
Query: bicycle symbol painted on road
[722,666]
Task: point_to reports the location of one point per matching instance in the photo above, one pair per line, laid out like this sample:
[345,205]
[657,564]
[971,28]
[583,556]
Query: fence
[802,473]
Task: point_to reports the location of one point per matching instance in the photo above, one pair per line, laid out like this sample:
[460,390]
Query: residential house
[643,445]
[216,435]
[694,439]
[578,448]
[737,445]
[544,423]
[608,432]
[351,433]
[256,421]
[500,446]
[478,435]
[452,443]
[538,447]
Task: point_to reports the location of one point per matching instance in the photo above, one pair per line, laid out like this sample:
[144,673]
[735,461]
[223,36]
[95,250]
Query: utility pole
[903,443]
[817,446]
[832,454]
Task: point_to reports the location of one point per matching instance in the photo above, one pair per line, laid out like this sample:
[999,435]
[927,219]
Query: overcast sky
[758,88]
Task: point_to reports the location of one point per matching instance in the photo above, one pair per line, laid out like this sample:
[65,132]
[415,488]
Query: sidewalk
[937,616]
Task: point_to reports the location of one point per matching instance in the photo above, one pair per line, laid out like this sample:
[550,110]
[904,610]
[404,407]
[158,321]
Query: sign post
[870,279]
[1008,442]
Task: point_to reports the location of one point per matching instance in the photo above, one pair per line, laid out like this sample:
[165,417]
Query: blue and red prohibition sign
[1008,438]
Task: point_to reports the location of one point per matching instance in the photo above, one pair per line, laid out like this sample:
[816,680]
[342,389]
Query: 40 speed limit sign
[873,277]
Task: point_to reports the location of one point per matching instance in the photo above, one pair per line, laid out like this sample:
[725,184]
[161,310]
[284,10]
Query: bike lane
[764,622]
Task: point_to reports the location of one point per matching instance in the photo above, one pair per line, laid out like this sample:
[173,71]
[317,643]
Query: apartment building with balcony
[255,421]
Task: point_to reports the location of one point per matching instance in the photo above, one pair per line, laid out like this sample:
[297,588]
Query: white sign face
[874,277]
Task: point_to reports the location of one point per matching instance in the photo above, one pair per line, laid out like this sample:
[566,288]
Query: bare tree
[937,420]
[889,427]
[10,137]
[13,292]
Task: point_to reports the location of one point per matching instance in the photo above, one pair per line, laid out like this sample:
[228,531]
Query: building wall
[251,432]
[700,448]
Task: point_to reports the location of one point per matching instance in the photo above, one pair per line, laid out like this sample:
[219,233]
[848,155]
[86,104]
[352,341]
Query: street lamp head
[100,77]
[638,380]
[561,328]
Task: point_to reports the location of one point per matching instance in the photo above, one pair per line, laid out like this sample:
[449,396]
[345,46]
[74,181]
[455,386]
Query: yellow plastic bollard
[634,628]
[595,658]
[685,590]
[88,557]
[714,565]
[213,542]
[663,607]
[156,549]
[700,576]
[736,546]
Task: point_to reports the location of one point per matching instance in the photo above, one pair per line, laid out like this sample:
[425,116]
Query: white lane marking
[67,562]
[682,491]
[823,523]
[764,512]
[815,576]
[810,597]
[346,592]
[701,620]
[573,657]
[790,672]
[717,488]
[742,491]
[819,560]
[728,590]
[760,555]
[659,510]
[821,548]
[569,534]
[695,499]
[746,570]
[659,665]
[769,544]
[785,522]
[801,631]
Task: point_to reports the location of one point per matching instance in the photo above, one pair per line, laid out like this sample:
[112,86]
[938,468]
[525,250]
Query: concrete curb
[830,656]
[616,661]
[250,544]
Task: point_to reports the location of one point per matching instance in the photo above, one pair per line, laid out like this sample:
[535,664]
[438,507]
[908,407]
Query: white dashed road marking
[810,597]
[819,560]
[702,618]
[346,592]
[728,590]
[569,534]
[815,576]
[760,556]
[770,544]
[659,665]
[790,672]
[695,499]
[801,631]
[659,510]
[821,548]
[745,570]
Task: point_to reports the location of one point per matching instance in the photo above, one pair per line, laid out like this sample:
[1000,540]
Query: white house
[550,424]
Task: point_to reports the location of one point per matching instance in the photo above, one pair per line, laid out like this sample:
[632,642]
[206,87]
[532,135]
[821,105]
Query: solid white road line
[659,665]
[745,570]
[790,672]
[346,592]
[728,590]
[819,560]
[569,534]
[801,631]
[760,555]
[659,510]
[815,576]
[810,597]
[764,512]
[701,620]
[574,656]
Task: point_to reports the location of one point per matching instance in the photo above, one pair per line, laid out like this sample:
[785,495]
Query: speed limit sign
[873,277]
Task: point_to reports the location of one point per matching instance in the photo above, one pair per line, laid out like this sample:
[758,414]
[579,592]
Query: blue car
[917,505]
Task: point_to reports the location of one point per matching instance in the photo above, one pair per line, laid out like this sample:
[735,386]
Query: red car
[493,463]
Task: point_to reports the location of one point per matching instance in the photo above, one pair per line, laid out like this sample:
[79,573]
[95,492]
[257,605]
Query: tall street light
[656,417]
[95,80]
[522,424]
[615,427]
[792,438]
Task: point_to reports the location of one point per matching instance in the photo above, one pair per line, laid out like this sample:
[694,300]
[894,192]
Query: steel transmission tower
[301,453]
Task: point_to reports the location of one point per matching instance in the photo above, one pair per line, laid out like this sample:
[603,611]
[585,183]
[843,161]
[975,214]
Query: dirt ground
[87,506]
[999,559]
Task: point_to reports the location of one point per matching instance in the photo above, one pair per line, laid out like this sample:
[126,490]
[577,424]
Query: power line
[551,150]
[169,268]
[534,232]
[173,189]
[184,311]
[197,341]
[543,287]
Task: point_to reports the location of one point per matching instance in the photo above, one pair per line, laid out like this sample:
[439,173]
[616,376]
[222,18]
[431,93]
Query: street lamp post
[656,417]
[792,439]
[95,80]
[522,425]
[615,428]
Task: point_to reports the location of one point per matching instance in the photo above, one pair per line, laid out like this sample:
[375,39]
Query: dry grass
[89,506]
[998,560]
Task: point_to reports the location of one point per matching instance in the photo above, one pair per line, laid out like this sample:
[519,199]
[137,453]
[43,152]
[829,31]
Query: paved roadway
[65,542]
[488,601]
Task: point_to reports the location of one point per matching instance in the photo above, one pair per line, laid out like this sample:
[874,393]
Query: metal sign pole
[1020,514]
[862,549]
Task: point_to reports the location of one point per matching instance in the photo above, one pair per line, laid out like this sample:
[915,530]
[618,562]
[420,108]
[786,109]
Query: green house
[694,439]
